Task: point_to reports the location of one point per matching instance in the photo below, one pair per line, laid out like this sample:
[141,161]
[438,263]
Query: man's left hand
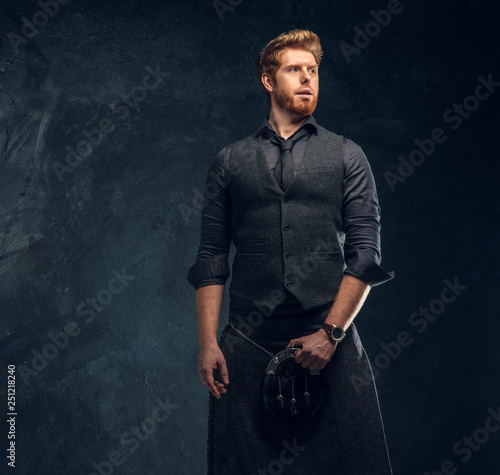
[317,350]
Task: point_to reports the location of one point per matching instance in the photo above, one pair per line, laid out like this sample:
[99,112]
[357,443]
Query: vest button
[286,228]
[288,255]
[285,200]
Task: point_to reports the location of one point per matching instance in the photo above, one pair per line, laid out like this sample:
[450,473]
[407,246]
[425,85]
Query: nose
[306,75]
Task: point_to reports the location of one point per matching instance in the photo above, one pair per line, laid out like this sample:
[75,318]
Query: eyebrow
[300,65]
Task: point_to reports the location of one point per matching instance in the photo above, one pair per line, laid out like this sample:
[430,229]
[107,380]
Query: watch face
[337,333]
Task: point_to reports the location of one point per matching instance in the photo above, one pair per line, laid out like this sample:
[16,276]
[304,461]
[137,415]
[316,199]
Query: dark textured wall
[96,240]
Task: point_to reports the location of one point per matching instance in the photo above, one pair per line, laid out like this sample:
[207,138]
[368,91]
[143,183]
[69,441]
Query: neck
[284,123]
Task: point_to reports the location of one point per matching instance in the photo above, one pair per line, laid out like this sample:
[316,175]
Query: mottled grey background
[132,205]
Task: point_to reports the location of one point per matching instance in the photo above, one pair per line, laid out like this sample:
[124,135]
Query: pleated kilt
[345,437]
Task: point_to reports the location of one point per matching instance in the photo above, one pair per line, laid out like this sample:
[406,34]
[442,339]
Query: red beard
[294,104]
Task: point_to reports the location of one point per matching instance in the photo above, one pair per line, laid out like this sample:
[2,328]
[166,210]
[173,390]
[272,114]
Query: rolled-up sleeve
[361,216]
[212,266]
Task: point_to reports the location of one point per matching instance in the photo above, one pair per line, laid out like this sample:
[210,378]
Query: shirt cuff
[363,267]
[209,271]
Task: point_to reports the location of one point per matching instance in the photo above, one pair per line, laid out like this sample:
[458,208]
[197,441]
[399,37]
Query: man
[300,205]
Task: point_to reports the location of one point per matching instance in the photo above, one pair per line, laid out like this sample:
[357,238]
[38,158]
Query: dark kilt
[346,437]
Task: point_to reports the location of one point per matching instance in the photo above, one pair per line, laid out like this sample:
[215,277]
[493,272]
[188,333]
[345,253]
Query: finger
[209,383]
[307,362]
[220,387]
[214,391]
[301,355]
[293,342]
[223,371]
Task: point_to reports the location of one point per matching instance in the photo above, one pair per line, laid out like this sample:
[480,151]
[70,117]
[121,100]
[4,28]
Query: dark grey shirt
[360,212]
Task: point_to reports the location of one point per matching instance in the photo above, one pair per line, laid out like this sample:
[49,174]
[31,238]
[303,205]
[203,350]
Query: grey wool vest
[286,240]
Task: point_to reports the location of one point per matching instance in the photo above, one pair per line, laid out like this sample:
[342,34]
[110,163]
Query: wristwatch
[334,332]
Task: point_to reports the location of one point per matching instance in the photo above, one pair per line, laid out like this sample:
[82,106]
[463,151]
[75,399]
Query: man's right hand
[211,358]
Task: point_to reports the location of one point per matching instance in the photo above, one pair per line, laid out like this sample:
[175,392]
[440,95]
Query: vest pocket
[313,170]
[325,255]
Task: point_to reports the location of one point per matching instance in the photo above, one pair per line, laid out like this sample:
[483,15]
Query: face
[296,87]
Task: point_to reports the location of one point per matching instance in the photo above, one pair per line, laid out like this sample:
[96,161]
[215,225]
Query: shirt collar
[310,123]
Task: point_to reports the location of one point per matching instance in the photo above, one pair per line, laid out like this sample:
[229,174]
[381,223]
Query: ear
[267,82]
